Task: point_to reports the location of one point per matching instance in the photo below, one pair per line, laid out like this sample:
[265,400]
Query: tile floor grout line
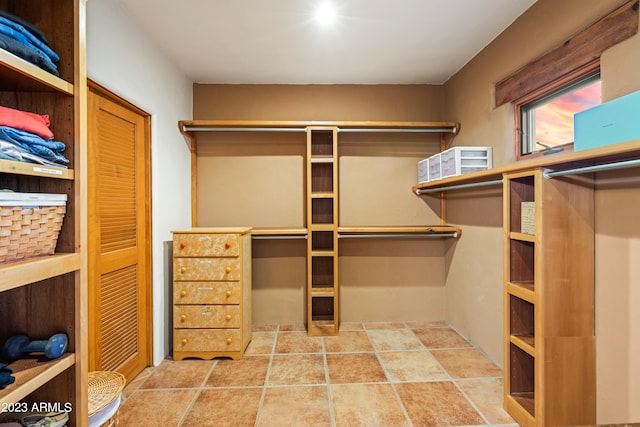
[266,378]
[390,381]
[189,408]
[327,379]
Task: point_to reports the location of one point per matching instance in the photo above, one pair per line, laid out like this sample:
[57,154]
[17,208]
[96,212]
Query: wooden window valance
[579,52]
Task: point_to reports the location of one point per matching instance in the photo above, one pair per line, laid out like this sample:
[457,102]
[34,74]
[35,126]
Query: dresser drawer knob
[228,317]
[183,317]
[183,270]
[227,245]
[229,294]
[184,341]
[228,269]
[183,294]
[182,245]
[229,340]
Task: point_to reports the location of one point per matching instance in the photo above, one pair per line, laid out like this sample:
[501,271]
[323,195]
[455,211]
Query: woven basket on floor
[104,388]
[26,232]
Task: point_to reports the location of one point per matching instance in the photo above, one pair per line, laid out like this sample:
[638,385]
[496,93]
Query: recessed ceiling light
[325,14]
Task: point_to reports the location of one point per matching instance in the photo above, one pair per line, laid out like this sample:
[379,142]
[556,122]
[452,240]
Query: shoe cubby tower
[322,237]
[549,347]
[46,295]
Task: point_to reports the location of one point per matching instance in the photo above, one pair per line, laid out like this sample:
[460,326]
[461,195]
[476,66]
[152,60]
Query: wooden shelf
[408,230]
[279,232]
[34,169]
[322,292]
[525,342]
[321,159]
[595,156]
[31,374]
[18,74]
[522,237]
[523,404]
[524,291]
[15,274]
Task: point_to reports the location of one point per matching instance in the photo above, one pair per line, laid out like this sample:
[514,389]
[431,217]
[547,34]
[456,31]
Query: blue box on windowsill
[610,123]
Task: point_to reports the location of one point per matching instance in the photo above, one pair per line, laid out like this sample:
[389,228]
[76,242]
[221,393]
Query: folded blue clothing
[30,38]
[48,149]
[20,38]
[12,151]
[26,24]
[5,368]
[5,379]
[28,54]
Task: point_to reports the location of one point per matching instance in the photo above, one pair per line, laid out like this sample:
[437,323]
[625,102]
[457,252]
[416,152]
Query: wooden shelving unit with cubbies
[549,340]
[322,225]
[45,295]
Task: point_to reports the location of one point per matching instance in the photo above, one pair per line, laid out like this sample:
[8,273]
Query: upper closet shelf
[600,158]
[18,74]
[189,127]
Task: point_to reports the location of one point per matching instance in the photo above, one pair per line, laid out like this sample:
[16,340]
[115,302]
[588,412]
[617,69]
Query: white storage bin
[423,171]
[435,172]
[461,160]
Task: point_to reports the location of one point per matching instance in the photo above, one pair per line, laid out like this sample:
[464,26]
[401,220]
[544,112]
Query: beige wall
[474,264]
[258,179]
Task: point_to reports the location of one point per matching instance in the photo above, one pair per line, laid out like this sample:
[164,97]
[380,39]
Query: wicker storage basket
[29,224]
[104,388]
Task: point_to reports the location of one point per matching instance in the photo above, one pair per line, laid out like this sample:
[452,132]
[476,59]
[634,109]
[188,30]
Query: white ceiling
[280,42]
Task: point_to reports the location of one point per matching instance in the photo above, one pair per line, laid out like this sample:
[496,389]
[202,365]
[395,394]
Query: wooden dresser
[211,292]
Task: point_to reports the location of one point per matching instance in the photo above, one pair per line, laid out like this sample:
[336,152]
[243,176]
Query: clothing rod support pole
[607,166]
[458,187]
[396,235]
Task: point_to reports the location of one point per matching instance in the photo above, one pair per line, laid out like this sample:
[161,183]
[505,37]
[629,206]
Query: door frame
[148,303]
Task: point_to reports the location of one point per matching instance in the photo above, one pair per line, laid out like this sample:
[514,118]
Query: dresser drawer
[207,340]
[206,293]
[203,245]
[206,269]
[206,316]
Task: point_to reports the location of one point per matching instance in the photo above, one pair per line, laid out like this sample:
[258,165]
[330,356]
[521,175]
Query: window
[546,122]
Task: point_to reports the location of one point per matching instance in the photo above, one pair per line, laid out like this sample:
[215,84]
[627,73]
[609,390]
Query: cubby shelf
[44,295]
[16,73]
[31,374]
[13,275]
[33,169]
[549,343]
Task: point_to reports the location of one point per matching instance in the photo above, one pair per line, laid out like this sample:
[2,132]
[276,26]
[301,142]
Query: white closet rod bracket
[586,169]
[421,191]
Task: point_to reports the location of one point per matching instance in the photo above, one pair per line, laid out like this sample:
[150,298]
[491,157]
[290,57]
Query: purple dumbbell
[19,345]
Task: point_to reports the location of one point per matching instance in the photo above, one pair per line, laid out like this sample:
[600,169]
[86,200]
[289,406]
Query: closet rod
[378,235]
[276,237]
[410,130]
[586,169]
[458,187]
[241,129]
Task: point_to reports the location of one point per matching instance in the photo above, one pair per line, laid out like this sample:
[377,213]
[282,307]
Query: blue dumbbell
[19,345]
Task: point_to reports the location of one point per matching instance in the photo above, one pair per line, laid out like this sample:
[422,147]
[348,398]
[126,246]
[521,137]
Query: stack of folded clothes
[26,137]
[5,376]
[25,40]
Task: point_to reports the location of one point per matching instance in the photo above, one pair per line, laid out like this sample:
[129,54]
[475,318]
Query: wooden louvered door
[119,236]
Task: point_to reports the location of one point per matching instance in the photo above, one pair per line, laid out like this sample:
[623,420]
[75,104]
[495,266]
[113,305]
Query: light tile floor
[371,374]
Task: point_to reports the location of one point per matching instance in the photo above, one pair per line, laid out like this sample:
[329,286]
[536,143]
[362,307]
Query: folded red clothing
[24,120]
